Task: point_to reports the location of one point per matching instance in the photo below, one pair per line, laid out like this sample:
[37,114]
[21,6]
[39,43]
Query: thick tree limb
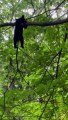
[48,23]
[38,23]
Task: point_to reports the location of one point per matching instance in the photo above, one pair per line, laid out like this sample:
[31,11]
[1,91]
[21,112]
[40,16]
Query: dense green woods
[34,80]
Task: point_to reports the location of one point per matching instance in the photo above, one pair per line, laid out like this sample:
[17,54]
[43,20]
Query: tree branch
[48,23]
[38,23]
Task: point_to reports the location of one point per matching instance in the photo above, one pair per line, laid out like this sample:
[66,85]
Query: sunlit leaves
[37,90]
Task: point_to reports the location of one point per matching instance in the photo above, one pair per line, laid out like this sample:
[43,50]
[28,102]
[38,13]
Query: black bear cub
[18,32]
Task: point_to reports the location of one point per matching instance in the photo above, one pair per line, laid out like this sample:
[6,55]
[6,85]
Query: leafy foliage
[37,90]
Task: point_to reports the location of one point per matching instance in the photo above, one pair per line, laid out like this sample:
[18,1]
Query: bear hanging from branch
[18,32]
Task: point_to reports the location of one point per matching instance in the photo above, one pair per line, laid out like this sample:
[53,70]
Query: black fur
[18,32]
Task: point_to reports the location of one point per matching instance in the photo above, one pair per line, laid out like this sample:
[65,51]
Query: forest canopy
[34,80]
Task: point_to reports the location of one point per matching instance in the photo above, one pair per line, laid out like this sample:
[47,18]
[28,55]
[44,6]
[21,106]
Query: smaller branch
[17,59]
[44,108]
[59,54]
[4,106]
[65,37]
[59,5]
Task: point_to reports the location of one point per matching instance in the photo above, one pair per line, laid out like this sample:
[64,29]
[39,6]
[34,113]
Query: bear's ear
[22,16]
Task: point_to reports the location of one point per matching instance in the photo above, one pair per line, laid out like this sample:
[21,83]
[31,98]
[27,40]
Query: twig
[59,54]
[44,108]
[17,58]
